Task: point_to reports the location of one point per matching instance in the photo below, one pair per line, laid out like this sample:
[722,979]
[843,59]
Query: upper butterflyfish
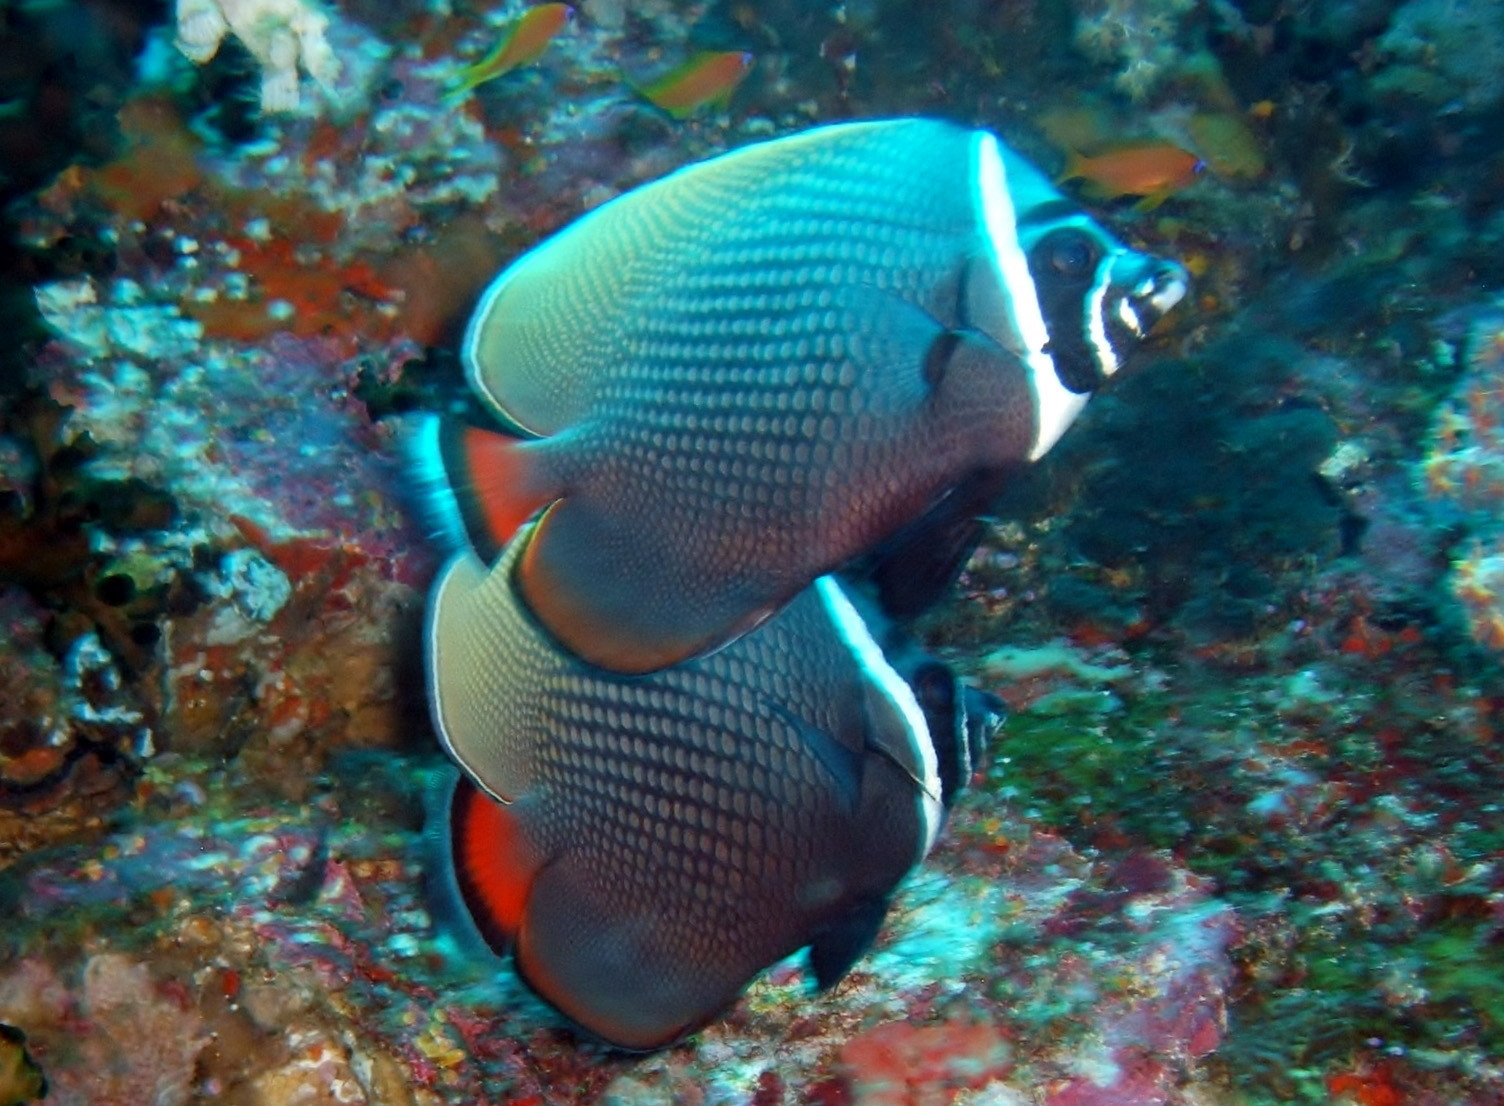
[644,845]
[726,383]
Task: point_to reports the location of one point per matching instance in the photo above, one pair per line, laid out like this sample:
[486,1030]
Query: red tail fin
[494,863]
[473,485]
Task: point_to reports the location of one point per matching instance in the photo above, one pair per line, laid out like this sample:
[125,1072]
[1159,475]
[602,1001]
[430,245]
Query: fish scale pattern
[697,786]
[740,379]
[671,269]
[735,375]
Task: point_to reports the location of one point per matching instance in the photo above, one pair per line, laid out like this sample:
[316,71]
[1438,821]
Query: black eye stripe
[1063,281]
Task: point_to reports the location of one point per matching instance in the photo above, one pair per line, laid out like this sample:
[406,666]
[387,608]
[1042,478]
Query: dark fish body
[741,376]
[663,838]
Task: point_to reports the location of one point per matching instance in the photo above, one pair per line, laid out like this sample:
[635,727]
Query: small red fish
[1152,170]
[522,42]
[704,79]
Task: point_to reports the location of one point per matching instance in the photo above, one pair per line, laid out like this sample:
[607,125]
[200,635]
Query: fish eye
[1071,253]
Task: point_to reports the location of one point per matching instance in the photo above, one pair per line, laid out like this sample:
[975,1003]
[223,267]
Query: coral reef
[1239,841]
[1140,38]
[896,1063]
[1464,474]
[285,36]
[291,953]
[1478,583]
[1444,53]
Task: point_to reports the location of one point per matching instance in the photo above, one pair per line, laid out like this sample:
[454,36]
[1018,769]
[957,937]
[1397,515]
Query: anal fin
[612,963]
[835,949]
[621,596]
[494,862]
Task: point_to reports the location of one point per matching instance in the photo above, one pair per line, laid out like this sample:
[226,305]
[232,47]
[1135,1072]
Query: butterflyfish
[643,846]
[704,80]
[522,41]
[727,383]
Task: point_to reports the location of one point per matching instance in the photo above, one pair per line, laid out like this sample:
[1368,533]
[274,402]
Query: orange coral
[159,163]
[1370,1088]
[1478,583]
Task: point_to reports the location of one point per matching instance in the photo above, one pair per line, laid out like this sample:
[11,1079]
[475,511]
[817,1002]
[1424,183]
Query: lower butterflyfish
[735,379]
[643,846]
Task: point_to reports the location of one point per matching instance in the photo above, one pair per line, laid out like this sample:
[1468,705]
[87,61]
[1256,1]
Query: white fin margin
[869,655]
[437,507]
[466,563]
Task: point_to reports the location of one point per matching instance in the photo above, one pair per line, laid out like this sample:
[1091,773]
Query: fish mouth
[1155,294]
[1133,292]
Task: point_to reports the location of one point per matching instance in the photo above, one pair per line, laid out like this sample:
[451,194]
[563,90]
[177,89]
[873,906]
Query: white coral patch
[283,35]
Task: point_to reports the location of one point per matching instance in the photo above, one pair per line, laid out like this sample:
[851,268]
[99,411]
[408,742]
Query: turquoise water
[1238,840]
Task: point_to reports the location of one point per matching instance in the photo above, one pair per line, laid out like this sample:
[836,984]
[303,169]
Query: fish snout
[1152,291]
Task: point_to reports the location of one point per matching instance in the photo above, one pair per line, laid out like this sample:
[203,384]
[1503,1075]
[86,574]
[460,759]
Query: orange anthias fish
[523,41]
[704,79]
[1152,170]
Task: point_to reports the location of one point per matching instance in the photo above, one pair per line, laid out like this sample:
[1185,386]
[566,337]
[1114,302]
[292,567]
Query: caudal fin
[1075,168]
[470,486]
[493,862]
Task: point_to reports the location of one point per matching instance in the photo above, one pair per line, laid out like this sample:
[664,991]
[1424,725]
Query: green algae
[1364,928]
[1080,770]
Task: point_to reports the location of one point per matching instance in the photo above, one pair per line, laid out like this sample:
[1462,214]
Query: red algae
[437,282]
[159,163]
[901,1064]
[295,294]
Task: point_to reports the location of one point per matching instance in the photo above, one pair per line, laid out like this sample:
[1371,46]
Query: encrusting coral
[280,34]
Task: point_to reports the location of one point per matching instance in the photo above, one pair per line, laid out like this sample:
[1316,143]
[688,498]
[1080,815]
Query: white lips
[1167,294]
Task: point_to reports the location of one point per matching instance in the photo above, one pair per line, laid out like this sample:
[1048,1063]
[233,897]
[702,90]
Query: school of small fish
[746,420]
[706,79]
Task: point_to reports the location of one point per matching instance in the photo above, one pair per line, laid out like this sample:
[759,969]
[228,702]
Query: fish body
[706,79]
[735,379]
[522,42]
[1153,171]
[644,846]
